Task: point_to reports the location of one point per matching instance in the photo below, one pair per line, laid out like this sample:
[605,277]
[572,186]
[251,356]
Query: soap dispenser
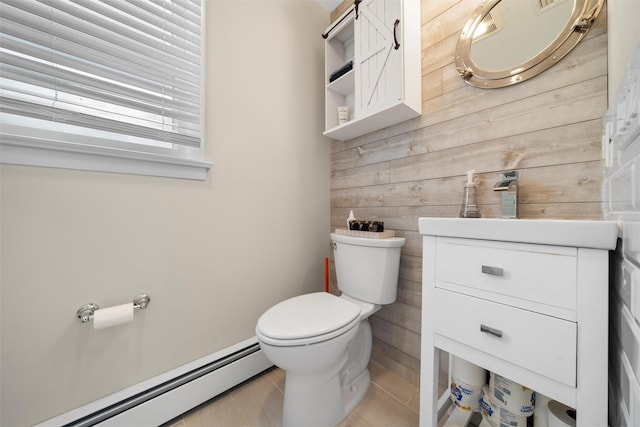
[469,207]
[352,217]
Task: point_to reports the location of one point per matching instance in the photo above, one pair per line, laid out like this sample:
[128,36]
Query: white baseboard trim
[162,398]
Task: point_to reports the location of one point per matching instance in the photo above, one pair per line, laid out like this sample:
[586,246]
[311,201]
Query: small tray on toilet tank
[366,234]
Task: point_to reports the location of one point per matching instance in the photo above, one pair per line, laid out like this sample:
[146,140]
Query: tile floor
[390,401]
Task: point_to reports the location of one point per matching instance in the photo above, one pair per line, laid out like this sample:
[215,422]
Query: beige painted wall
[548,128]
[213,255]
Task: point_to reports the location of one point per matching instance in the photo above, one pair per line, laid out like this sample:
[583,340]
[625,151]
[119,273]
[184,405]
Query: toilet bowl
[323,342]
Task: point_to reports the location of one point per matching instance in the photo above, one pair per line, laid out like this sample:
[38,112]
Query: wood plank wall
[547,128]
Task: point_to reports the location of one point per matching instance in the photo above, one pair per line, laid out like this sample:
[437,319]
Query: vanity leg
[429,369]
[430,355]
[593,318]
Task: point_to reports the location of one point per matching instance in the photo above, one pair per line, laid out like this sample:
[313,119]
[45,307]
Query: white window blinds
[110,76]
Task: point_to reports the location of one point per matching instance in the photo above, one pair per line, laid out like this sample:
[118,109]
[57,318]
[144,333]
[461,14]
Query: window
[108,85]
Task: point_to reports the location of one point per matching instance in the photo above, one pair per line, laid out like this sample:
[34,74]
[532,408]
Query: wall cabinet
[373,67]
[526,299]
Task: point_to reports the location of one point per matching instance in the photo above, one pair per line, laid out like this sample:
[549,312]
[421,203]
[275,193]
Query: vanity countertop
[576,233]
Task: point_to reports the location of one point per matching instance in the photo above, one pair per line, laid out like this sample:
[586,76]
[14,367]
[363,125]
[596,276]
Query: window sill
[95,158]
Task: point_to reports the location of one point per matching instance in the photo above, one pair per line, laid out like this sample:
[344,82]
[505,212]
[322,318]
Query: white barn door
[379,59]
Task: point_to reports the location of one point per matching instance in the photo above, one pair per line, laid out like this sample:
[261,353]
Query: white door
[378,67]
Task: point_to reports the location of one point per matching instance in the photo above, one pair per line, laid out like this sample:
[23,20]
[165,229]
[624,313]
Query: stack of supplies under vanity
[501,401]
[507,403]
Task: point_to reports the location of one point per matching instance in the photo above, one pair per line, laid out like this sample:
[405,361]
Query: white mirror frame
[584,14]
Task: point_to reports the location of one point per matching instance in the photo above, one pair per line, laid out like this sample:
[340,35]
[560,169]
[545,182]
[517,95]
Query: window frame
[82,154]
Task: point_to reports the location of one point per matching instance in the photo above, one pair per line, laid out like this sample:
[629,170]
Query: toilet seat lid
[307,316]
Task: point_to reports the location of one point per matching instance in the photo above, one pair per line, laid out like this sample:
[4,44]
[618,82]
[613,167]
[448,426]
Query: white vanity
[527,299]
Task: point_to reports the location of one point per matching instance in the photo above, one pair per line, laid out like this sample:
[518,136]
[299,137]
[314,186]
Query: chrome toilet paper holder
[85,313]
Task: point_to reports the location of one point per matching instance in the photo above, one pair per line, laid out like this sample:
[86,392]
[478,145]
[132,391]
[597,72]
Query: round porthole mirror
[505,42]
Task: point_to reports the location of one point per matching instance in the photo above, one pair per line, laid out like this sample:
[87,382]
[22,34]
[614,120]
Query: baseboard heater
[169,398]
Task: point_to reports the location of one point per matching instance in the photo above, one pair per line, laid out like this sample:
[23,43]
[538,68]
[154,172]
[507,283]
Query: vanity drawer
[519,336]
[541,274]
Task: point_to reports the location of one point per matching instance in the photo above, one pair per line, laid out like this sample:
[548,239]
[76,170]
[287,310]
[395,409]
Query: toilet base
[318,402]
[312,401]
[354,376]
[323,398]
[352,394]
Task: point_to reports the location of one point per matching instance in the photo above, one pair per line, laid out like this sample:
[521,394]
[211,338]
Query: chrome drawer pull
[494,271]
[492,331]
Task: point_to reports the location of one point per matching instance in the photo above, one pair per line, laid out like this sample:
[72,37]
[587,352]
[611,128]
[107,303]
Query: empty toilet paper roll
[112,316]
[560,415]
[467,372]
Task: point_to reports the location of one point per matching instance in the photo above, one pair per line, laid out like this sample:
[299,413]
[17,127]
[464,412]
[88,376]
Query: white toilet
[323,342]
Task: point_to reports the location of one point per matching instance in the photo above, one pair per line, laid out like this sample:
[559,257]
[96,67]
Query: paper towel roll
[112,316]
[517,399]
[489,409]
[560,415]
[468,373]
[465,396]
[496,415]
[540,418]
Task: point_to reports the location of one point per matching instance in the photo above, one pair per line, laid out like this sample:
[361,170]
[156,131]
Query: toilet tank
[367,269]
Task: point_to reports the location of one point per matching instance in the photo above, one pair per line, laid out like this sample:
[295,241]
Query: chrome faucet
[508,186]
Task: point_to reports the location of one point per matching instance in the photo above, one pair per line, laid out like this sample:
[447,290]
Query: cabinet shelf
[357,126]
[344,84]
